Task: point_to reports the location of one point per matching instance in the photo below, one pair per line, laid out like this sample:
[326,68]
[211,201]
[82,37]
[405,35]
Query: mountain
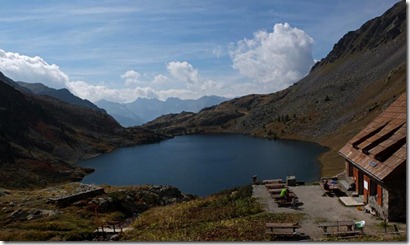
[42,138]
[144,110]
[362,75]
[61,94]
[120,112]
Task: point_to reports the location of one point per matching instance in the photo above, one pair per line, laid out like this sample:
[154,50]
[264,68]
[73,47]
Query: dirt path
[317,208]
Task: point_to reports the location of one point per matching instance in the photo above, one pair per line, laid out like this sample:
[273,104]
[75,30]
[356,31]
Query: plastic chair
[359,224]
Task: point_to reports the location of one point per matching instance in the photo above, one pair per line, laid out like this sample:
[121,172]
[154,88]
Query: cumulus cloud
[31,69]
[186,73]
[276,59]
[160,79]
[183,71]
[131,78]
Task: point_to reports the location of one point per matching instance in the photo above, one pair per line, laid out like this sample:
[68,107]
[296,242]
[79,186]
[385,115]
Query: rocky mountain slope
[144,110]
[362,75]
[41,137]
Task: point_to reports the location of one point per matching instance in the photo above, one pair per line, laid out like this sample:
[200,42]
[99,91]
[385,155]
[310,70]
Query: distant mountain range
[144,110]
[131,114]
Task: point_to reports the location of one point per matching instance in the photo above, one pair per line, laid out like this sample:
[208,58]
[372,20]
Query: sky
[126,49]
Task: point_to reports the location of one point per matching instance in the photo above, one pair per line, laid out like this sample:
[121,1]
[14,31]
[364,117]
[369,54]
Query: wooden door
[380,195]
[356,178]
[366,187]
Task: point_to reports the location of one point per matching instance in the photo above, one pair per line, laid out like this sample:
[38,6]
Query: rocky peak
[374,32]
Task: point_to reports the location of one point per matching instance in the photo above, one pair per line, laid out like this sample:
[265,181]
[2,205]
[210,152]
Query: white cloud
[183,71]
[31,69]
[180,80]
[131,78]
[160,79]
[35,69]
[125,95]
[277,59]
[98,92]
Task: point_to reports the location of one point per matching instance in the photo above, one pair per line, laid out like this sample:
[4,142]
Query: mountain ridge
[62,94]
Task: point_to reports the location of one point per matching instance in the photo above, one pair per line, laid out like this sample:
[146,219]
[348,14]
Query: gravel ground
[318,209]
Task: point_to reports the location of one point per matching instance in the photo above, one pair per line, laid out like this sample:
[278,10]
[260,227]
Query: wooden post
[385,222]
[254,179]
[337,221]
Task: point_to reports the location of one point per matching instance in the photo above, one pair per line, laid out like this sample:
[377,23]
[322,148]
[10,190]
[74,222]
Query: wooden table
[342,228]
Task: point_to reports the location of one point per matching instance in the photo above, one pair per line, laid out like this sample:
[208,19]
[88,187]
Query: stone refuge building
[376,162]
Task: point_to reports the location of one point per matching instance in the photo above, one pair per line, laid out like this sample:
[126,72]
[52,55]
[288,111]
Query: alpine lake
[206,164]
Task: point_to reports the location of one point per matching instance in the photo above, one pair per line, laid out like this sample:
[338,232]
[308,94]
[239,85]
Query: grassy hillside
[232,215]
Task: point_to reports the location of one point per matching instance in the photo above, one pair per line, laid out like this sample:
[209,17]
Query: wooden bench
[287,204]
[274,191]
[275,186]
[282,230]
[277,196]
[343,233]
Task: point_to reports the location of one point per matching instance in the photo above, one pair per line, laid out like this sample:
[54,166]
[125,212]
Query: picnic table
[342,228]
[329,185]
[282,229]
[290,194]
[272,181]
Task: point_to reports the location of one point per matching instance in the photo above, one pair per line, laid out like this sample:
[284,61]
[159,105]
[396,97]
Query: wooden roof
[381,147]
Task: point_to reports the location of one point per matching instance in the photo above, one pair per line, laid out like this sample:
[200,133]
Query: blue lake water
[206,164]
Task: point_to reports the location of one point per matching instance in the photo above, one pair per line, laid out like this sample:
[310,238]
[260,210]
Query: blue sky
[122,50]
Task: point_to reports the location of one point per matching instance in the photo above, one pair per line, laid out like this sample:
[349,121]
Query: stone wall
[380,210]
